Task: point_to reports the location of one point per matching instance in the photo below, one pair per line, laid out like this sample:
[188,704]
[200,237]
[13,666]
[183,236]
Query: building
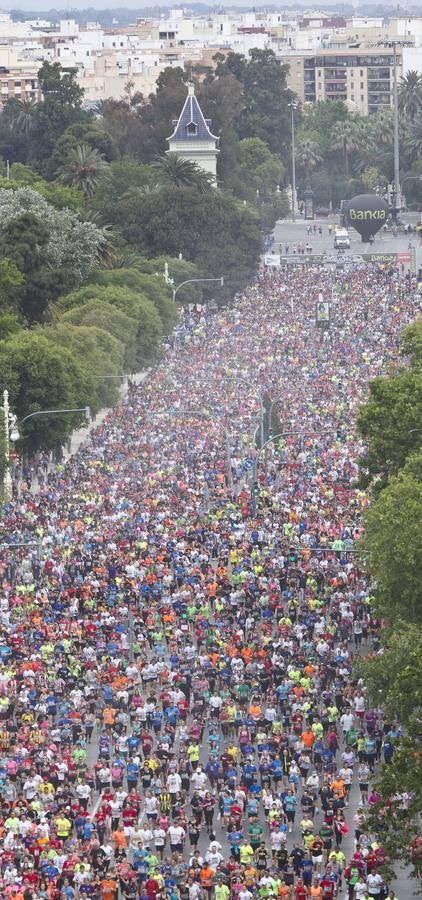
[362,77]
[18,85]
[192,138]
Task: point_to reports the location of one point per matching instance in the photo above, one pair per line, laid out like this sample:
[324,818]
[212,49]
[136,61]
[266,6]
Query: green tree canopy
[258,169]
[136,306]
[24,242]
[264,110]
[97,352]
[149,286]
[217,233]
[82,168]
[90,133]
[391,419]
[103,315]
[72,245]
[60,108]
[41,376]
[121,177]
[392,544]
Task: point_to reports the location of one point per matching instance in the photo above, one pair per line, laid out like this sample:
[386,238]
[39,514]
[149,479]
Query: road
[289,234]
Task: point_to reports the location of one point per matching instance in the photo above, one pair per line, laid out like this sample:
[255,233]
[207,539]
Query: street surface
[293,234]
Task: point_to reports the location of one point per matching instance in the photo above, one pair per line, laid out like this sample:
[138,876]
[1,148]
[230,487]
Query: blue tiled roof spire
[191,125]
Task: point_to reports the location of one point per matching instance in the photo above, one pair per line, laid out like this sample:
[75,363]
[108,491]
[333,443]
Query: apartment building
[362,77]
[18,85]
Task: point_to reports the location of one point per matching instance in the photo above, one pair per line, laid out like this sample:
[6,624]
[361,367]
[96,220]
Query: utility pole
[292,108]
[395,210]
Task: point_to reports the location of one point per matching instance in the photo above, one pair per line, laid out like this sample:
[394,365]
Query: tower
[192,138]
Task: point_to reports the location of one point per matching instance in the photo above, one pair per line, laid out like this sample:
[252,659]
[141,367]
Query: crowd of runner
[179,715]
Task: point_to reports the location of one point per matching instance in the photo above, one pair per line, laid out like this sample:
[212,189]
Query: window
[361,73]
[362,85]
[192,128]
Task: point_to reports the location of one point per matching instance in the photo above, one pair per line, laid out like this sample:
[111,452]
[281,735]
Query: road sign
[248,464]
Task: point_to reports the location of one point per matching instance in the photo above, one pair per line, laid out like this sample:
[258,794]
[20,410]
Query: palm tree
[25,113]
[410,94]
[307,155]
[346,136]
[18,114]
[413,141]
[82,168]
[136,192]
[183,172]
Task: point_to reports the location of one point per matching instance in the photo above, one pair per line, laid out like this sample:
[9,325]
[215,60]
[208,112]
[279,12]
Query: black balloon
[367,213]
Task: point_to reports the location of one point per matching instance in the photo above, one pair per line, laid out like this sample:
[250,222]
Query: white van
[341,239]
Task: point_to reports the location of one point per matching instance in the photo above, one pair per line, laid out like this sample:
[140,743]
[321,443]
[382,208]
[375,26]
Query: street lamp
[192,281]
[57,412]
[292,107]
[397,196]
[11,433]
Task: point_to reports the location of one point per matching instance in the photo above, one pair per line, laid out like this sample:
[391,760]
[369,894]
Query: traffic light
[255,489]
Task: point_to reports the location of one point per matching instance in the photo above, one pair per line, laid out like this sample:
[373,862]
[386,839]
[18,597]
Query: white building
[192,138]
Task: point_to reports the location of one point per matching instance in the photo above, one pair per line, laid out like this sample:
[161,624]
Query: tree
[179,270]
[264,113]
[72,246]
[24,241]
[41,376]
[82,169]
[22,114]
[217,233]
[148,323]
[103,315]
[142,283]
[61,106]
[9,324]
[97,353]
[120,177]
[10,279]
[173,170]
[413,139]
[392,543]
[258,169]
[346,136]
[393,678]
[390,421]
[307,156]
[90,133]
[410,94]
[221,102]
[155,117]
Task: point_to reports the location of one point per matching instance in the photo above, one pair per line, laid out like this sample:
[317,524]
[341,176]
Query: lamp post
[292,107]
[11,433]
[193,281]
[395,210]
